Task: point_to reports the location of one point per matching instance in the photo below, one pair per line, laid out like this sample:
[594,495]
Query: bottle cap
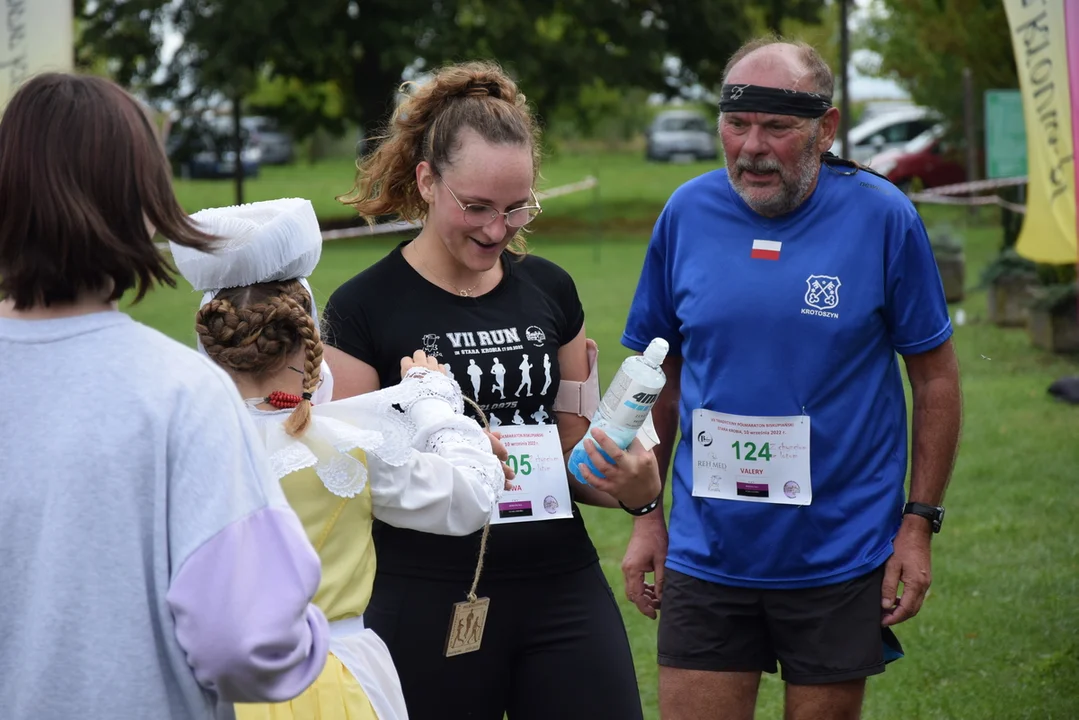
[656,351]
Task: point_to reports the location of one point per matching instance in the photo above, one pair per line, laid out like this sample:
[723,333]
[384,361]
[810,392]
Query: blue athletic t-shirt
[810,322]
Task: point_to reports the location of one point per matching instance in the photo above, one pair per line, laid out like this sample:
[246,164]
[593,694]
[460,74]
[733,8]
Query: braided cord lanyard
[486,525]
[469,618]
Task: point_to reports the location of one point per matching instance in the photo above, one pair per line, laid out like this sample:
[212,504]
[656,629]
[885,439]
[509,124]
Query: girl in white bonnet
[406,455]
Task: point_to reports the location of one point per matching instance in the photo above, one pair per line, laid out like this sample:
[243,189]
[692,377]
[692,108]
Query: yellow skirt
[335,695]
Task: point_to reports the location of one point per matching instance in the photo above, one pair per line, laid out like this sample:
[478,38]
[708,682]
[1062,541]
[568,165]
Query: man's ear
[829,125]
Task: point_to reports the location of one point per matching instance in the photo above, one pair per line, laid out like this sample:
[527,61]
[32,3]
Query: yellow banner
[1038,38]
[35,36]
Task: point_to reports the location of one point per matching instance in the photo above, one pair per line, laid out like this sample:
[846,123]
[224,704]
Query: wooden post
[237,141]
[968,122]
[844,74]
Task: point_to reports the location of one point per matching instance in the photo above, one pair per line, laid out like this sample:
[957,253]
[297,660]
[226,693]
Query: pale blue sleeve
[915,310]
[652,312]
[242,570]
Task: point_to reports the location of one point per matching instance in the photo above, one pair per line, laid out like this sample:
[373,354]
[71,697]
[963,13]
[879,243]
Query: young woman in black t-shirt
[461,154]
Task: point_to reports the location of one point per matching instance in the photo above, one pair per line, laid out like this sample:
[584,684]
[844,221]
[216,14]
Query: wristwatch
[933,513]
[638,512]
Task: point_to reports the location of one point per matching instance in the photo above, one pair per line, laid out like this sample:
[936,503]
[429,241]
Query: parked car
[877,108]
[929,158]
[199,150]
[681,134]
[275,145]
[884,132]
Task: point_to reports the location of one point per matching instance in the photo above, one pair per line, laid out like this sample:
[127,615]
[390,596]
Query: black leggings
[554,647]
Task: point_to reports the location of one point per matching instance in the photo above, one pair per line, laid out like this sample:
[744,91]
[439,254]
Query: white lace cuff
[421,383]
[430,411]
[453,440]
[459,430]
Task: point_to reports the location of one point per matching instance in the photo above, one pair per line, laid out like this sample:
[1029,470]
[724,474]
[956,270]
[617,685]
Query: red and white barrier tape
[366,230]
[586,184]
[402,226]
[978,186]
[946,194]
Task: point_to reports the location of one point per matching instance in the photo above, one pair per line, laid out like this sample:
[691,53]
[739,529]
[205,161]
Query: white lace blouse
[430,468]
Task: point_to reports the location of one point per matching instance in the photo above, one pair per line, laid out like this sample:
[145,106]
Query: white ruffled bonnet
[260,242]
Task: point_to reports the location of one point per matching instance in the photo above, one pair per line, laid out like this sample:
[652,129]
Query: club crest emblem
[823,292]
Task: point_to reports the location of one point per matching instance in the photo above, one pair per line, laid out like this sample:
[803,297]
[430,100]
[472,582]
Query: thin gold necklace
[463,293]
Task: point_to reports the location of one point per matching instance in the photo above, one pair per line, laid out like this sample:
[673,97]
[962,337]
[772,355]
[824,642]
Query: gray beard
[793,188]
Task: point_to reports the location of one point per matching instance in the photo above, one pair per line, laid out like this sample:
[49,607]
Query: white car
[681,134]
[884,132]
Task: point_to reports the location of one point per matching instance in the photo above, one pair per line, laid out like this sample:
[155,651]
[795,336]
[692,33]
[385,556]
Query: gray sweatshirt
[149,566]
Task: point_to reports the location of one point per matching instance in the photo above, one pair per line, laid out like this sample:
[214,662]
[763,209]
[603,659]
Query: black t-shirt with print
[502,348]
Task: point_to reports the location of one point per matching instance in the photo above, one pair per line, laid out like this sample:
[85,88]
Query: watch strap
[933,513]
[638,512]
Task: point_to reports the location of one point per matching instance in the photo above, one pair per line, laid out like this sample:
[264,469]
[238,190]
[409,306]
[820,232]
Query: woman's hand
[502,454]
[422,360]
[633,477]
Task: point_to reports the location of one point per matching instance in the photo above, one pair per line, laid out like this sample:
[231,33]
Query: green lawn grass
[998,636]
[320,183]
[628,187]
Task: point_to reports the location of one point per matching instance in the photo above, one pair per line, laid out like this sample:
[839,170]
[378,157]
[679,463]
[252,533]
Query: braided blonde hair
[255,329]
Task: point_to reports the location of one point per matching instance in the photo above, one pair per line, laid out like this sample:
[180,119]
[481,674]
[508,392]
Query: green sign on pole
[1005,134]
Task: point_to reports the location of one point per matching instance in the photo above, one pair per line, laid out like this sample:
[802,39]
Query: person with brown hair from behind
[152,567]
[462,153]
[405,455]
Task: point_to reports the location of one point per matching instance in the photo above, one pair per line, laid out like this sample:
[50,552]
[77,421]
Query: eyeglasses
[478,215]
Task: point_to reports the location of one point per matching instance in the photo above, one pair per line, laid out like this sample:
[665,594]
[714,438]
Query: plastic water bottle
[625,405]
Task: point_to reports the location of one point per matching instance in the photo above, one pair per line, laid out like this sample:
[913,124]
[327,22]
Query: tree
[819,28]
[925,44]
[553,47]
[223,50]
[214,61]
[322,63]
[778,12]
[304,108]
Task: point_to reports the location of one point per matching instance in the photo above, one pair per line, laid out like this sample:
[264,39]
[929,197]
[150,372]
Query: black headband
[774,101]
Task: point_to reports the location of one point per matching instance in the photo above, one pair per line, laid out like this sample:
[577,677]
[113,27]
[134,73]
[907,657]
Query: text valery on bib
[752,459]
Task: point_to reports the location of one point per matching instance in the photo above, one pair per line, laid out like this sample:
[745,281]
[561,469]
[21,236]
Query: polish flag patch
[765,249]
